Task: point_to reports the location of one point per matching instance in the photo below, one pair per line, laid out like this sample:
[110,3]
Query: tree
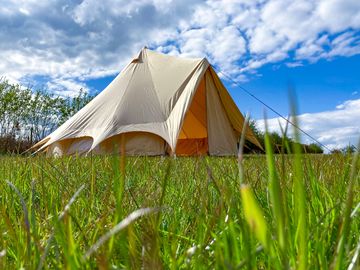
[349,149]
[279,143]
[27,115]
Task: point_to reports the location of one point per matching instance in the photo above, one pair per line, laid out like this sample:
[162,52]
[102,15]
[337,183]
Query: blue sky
[263,45]
[319,86]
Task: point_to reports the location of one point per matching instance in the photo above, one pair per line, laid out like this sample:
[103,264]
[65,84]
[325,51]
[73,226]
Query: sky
[265,46]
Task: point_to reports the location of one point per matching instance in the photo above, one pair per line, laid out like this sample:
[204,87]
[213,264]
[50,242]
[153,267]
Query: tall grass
[295,211]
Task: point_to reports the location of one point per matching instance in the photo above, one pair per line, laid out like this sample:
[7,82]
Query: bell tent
[158,104]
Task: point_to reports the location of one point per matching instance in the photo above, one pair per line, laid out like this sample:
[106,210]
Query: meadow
[257,212]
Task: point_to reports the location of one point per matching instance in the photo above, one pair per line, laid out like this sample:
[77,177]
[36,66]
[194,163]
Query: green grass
[295,212]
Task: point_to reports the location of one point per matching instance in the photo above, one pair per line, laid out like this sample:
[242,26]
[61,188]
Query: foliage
[27,116]
[280,144]
[349,149]
[288,212]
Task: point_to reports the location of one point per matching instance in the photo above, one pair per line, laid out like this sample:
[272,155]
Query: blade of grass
[299,194]
[354,258]
[254,216]
[241,149]
[277,199]
[118,227]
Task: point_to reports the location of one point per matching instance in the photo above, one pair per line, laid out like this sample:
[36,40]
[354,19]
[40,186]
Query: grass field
[273,212]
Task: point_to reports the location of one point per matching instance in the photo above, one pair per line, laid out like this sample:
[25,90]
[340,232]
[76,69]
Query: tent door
[193,138]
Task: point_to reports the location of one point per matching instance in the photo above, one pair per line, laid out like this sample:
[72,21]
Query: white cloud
[66,87]
[338,15]
[201,42]
[267,31]
[232,45]
[294,64]
[310,51]
[264,40]
[81,40]
[84,39]
[345,45]
[335,129]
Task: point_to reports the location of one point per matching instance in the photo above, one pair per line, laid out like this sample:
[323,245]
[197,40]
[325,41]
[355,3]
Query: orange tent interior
[193,138]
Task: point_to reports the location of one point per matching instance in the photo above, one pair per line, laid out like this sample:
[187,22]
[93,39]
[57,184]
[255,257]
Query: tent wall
[136,143]
[236,119]
[74,146]
[221,136]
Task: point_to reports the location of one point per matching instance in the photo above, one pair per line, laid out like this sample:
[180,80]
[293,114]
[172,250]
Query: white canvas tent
[157,105]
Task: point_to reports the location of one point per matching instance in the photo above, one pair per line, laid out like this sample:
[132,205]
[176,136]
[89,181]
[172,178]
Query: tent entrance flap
[193,135]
